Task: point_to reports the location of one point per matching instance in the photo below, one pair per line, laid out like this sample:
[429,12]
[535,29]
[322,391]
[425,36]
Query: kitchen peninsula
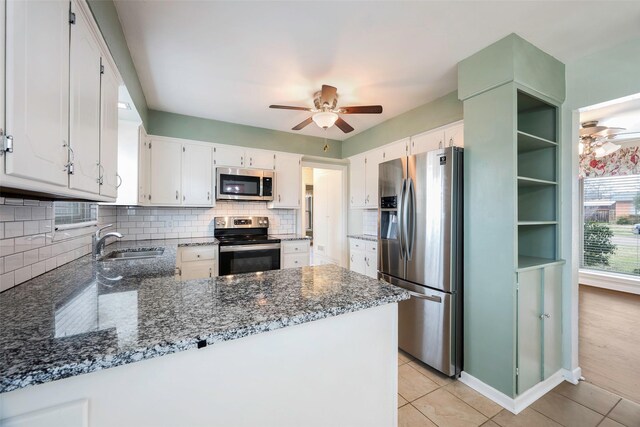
[302,346]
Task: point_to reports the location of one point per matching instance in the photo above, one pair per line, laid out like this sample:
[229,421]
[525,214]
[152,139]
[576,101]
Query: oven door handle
[246,248]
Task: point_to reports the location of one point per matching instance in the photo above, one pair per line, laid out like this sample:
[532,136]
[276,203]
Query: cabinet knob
[545,316]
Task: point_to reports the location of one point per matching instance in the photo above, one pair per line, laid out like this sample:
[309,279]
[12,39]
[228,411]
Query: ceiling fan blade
[302,124]
[288,107]
[344,126]
[591,130]
[364,109]
[328,94]
[610,131]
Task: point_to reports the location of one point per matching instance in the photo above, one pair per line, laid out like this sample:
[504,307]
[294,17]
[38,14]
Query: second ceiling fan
[326,111]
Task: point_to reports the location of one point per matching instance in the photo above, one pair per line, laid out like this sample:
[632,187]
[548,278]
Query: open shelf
[526,262]
[528,142]
[524,181]
[537,240]
[537,222]
[536,117]
[537,203]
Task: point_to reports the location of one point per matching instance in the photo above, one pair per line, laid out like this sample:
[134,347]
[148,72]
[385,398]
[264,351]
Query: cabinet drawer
[356,245]
[198,270]
[295,247]
[295,260]
[371,247]
[199,253]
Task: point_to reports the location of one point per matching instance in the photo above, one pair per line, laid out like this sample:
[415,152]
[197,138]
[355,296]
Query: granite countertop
[368,237]
[289,236]
[86,315]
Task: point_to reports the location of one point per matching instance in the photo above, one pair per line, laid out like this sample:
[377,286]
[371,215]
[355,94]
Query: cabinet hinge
[72,18]
[184,150]
[7,142]
[149,196]
[149,145]
[517,371]
[101,69]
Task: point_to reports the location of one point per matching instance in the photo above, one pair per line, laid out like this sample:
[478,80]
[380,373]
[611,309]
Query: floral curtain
[625,161]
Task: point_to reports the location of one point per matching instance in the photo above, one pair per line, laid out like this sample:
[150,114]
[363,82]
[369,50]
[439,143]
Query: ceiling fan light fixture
[325,119]
[606,149]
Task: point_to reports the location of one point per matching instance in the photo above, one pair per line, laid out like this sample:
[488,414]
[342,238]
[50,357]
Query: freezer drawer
[428,327]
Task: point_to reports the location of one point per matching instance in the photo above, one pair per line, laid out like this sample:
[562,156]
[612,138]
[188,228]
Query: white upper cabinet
[165,172]
[37,90]
[395,150]
[373,158]
[109,179]
[454,135]
[357,183]
[427,141]
[84,134]
[288,177]
[197,179]
[228,155]
[259,159]
[144,167]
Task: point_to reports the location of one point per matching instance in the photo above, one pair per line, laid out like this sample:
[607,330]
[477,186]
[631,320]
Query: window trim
[609,280]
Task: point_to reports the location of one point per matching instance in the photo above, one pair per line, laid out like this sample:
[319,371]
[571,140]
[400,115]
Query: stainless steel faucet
[99,242]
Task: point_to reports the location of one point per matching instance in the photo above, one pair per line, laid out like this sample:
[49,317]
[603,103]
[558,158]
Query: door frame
[312,163]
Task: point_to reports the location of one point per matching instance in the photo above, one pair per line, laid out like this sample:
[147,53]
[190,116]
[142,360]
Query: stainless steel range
[245,246]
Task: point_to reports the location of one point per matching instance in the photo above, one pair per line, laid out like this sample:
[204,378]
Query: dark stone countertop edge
[367,237]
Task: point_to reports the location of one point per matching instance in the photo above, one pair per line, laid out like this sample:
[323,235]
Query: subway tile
[13,201]
[7,213]
[1,265]
[23,213]
[31,257]
[7,281]
[38,213]
[14,229]
[38,268]
[50,264]
[13,262]
[7,247]
[23,274]
[31,227]
[29,202]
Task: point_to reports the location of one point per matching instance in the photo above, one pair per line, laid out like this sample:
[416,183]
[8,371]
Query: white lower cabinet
[294,253]
[363,255]
[197,262]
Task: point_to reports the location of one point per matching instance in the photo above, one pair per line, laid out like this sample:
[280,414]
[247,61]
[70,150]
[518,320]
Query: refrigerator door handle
[410,224]
[433,298]
[401,219]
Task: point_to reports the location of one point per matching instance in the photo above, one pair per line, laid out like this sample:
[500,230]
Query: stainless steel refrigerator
[420,250]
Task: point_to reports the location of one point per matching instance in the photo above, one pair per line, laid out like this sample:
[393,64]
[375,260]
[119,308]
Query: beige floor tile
[412,384]
[444,409]
[626,412]
[473,399]
[490,424]
[435,376]
[589,395]
[526,418]
[403,357]
[608,422]
[566,412]
[401,401]
[408,416]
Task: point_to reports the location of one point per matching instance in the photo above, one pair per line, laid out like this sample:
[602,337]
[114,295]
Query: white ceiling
[623,113]
[229,60]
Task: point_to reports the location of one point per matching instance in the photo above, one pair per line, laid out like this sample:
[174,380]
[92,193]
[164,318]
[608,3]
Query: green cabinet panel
[529,329]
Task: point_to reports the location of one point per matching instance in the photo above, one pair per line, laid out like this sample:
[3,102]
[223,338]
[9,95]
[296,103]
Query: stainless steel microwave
[244,184]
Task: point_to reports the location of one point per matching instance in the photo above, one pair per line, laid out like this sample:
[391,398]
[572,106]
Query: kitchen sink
[127,254]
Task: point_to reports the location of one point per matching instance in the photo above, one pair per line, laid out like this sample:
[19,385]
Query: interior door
[109,133]
[37,89]
[197,180]
[429,232]
[391,184]
[84,135]
[166,172]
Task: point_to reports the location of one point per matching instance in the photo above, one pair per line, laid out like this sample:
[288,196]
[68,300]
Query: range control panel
[241,222]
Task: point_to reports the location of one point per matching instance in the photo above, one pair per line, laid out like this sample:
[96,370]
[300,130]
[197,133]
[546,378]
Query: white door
[37,89]
[395,150]
[144,167]
[373,159]
[197,178]
[84,134]
[228,155]
[427,141]
[454,135]
[109,133]
[260,159]
[165,174]
[357,182]
[288,181]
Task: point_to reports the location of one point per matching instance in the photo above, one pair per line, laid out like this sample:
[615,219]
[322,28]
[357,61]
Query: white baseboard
[518,404]
[572,376]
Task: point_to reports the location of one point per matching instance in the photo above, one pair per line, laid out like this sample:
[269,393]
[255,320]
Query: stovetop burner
[246,230]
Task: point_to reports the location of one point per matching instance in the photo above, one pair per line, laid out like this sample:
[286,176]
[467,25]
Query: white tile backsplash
[370,222]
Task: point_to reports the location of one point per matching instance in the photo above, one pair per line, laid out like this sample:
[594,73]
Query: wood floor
[610,340]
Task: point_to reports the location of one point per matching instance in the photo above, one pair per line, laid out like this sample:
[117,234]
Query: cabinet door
[198,270]
[144,167]
[197,178]
[371,260]
[295,260]
[529,329]
[395,150]
[427,141]
[109,133]
[373,159]
[357,262]
[165,174]
[37,89]
[454,135]
[552,320]
[228,155]
[288,181]
[259,159]
[357,181]
[84,132]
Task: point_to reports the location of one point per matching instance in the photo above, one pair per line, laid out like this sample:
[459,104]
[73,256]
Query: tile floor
[427,398]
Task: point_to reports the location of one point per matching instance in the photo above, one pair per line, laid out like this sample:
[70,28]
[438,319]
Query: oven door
[239,259]
[238,184]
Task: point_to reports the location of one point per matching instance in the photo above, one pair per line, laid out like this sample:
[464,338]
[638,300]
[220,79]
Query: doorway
[322,215]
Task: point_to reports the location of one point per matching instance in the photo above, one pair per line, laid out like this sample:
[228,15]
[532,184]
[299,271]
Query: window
[74,214]
[611,232]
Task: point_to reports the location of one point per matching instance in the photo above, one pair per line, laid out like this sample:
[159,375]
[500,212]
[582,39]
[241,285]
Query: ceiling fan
[597,139]
[326,114]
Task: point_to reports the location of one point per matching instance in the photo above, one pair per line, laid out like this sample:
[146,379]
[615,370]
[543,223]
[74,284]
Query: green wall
[105,14]
[174,125]
[436,113]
